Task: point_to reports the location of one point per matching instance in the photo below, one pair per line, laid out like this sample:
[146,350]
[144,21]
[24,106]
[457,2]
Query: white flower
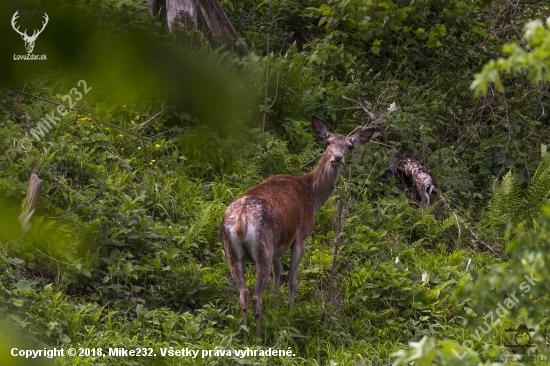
[392,107]
[396,260]
[425,277]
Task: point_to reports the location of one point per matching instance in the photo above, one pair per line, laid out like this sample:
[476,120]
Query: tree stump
[35,186]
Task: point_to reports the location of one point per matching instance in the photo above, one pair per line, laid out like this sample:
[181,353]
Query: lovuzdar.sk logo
[29,40]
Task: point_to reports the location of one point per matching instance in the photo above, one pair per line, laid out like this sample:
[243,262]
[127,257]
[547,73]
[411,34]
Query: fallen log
[412,175]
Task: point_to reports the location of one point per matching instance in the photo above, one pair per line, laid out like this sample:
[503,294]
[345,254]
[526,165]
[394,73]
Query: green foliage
[373,21]
[490,300]
[534,59]
[282,87]
[513,202]
[279,20]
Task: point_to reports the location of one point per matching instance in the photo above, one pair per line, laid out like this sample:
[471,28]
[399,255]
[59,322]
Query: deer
[29,41]
[279,214]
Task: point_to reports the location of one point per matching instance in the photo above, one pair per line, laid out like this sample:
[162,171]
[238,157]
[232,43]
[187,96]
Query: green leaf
[15,260]
[63,338]
[18,302]
[384,5]
[483,170]
[229,4]
[432,42]
[366,35]
[24,285]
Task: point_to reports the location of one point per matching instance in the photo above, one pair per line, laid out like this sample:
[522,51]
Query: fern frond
[288,81]
[446,224]
[504,203]
[537,193]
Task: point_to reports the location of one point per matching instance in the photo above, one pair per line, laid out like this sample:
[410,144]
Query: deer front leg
[296,253]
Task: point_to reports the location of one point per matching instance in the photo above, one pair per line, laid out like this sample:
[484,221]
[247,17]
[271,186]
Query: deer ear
[362,137]
[319,128]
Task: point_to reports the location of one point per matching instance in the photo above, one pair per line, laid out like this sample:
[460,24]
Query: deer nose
[338,158]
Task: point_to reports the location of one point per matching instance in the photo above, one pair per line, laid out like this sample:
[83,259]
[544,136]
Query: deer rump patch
[272,212]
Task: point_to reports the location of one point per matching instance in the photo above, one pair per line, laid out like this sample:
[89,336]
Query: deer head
[338,146]
[29,40]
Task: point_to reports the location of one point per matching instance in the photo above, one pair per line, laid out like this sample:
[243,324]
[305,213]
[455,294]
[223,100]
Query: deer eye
[351,147]
[328,142]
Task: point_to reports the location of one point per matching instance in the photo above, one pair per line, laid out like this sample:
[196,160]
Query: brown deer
[279,214]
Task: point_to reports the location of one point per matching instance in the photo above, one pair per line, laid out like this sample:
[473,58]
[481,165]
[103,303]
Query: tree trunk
[215,19]
[192,14]
[183,12]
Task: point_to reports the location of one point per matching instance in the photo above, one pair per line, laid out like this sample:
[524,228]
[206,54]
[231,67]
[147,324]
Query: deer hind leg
[236,267]
[243,298]
[263,270]
[277,268]
[296,252]
[277,274]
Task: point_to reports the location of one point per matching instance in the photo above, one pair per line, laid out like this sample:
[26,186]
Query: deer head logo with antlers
[29,40]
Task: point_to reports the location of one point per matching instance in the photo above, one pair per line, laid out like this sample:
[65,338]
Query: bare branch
[150,119]
[359,106]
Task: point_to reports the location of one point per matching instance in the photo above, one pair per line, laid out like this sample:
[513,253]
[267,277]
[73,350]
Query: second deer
[279,214]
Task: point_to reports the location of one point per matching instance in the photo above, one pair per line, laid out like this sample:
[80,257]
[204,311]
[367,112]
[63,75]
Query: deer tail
[240,227]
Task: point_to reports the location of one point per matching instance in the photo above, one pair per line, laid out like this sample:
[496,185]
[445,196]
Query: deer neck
[321,181]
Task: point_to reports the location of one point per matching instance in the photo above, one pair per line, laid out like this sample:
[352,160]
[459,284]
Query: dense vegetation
[123,249]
